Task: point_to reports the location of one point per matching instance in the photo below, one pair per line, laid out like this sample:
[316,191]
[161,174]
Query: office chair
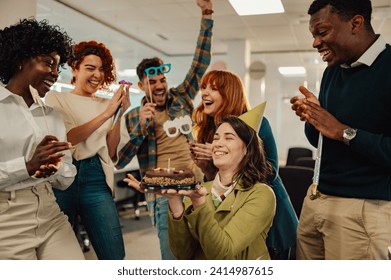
[297,180]
[295,153]
[305,161]
[135,200]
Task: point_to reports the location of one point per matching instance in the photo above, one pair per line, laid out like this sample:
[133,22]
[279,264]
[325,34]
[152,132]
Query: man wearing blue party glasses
[161,108]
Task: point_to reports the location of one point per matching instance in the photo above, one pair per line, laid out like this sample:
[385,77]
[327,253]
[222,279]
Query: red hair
[85,48]
[235,103]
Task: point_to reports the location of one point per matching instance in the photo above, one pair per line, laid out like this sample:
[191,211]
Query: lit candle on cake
[168,169]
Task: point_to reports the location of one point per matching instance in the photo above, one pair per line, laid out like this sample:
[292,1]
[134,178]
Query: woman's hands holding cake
[165,177]
[133,182]
[197,197]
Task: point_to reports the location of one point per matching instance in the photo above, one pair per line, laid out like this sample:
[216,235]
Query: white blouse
[22,129]
[77,110]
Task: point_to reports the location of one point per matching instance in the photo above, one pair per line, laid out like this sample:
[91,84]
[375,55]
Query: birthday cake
[165,176]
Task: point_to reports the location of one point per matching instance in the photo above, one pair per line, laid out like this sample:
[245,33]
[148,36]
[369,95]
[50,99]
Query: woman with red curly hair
[88,122]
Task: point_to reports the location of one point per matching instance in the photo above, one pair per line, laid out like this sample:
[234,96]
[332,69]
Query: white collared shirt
[369,56]
[22,129]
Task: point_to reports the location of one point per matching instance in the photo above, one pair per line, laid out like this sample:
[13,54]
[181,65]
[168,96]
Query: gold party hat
[253,117]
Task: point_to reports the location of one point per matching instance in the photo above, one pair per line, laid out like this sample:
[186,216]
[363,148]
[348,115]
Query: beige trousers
[33,227]
[337,228]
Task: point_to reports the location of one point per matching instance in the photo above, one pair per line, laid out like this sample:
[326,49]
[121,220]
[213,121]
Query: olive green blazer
[237,229]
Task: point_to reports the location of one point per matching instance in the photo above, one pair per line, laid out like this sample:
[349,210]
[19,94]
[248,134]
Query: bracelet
[207,12]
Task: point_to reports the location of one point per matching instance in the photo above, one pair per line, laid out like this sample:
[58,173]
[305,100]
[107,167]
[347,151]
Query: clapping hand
[201,154]
[47,157]
[310,111]
[298,103]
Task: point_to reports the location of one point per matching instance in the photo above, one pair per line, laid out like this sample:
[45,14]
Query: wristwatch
[348,135]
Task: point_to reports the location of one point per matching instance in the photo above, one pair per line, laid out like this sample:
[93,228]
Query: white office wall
[11,11]
[288,130]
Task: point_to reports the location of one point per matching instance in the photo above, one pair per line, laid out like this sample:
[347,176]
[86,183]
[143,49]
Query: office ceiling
[134,29]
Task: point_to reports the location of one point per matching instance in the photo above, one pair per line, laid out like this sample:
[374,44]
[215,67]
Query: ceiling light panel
[257,7]
[292,71]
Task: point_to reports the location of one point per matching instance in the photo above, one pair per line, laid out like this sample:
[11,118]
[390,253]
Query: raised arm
[202,54]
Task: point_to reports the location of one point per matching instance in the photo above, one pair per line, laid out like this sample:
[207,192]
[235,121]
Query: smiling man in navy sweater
[350,218]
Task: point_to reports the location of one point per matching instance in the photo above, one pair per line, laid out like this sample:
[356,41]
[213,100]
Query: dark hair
[85,48]
[30,38]
[346,9]
[235,103]
[254,167]
[146,63]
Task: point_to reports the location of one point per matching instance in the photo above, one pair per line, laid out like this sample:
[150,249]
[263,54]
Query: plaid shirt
[179,103]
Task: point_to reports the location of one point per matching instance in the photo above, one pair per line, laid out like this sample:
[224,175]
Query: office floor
[140,238]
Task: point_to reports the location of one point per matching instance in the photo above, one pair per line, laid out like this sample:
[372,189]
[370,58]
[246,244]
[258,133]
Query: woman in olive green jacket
[227,218]
[237,229]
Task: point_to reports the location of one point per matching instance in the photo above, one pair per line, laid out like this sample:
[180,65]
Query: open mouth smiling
[207,102]
[324,54]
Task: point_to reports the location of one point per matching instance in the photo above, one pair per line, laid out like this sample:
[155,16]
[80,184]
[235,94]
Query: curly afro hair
[85,48]
[30,38]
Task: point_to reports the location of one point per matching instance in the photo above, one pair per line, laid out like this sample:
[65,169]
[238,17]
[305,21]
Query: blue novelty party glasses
[153,71]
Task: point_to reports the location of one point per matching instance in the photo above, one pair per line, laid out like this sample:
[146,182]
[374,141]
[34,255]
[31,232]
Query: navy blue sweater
[359,97]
